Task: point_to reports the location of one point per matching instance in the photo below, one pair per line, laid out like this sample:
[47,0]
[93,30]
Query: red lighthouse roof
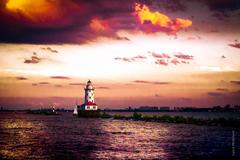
[91,103]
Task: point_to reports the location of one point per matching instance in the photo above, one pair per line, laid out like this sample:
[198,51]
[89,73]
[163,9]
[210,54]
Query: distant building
[152,108]
[165,108]
[89,103]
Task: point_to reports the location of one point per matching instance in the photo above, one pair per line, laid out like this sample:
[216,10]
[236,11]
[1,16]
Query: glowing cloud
[34,10]
[159,20]
[98,25]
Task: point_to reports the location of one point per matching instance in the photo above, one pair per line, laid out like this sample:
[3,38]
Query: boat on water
[75,111]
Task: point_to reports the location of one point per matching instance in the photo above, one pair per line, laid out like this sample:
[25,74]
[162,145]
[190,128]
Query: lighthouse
[89,97]
[89,108]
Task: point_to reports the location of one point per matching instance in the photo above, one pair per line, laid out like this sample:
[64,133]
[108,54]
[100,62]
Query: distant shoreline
[227,122]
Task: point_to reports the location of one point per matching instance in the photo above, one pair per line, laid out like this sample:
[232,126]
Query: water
[25,136]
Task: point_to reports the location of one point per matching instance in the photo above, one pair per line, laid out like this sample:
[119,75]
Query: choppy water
[25,136]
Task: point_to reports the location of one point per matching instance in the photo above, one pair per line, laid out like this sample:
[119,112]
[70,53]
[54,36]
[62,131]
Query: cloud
[122,38]
[171,5]
[21,78]
[155,55]
[98,25]
[102,87]
[222,5]
[235,45]
[235,82]
[139,57]
[81,21]
[165,59]
[76,84]
[151,82]
[222,89]
[49,49]
[161,62]
[33,60]
[60,77]
[183,56]
[125,59]
[44,83]
[156,21]
[214,31]
[58,85]
[193,37]
[131,59]
[215,94]
[184,62]
[46,22]
[221,15]
[34,84]
[175,61]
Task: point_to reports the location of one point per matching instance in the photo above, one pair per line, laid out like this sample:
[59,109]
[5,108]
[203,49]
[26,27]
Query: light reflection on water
[132,140]
[25,136]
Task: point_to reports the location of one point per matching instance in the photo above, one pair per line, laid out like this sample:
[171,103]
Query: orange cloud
[159,20]
[21,78]
[34,10]
[43,13]
[60,77]
[43,83]
[98,25]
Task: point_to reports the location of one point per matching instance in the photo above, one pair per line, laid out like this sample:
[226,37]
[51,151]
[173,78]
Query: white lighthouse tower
[89,103]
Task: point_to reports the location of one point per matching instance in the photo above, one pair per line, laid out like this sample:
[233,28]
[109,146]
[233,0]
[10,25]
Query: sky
[152,52]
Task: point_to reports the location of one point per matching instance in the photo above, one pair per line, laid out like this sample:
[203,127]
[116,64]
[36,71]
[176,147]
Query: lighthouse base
[89,113]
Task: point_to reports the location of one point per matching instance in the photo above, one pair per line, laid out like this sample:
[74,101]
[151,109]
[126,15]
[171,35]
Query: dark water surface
[25,136]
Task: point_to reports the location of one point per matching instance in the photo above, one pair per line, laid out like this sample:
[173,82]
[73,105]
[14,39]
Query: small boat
[75,111]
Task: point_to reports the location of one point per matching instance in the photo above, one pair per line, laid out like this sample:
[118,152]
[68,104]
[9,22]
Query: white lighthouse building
[89,103]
